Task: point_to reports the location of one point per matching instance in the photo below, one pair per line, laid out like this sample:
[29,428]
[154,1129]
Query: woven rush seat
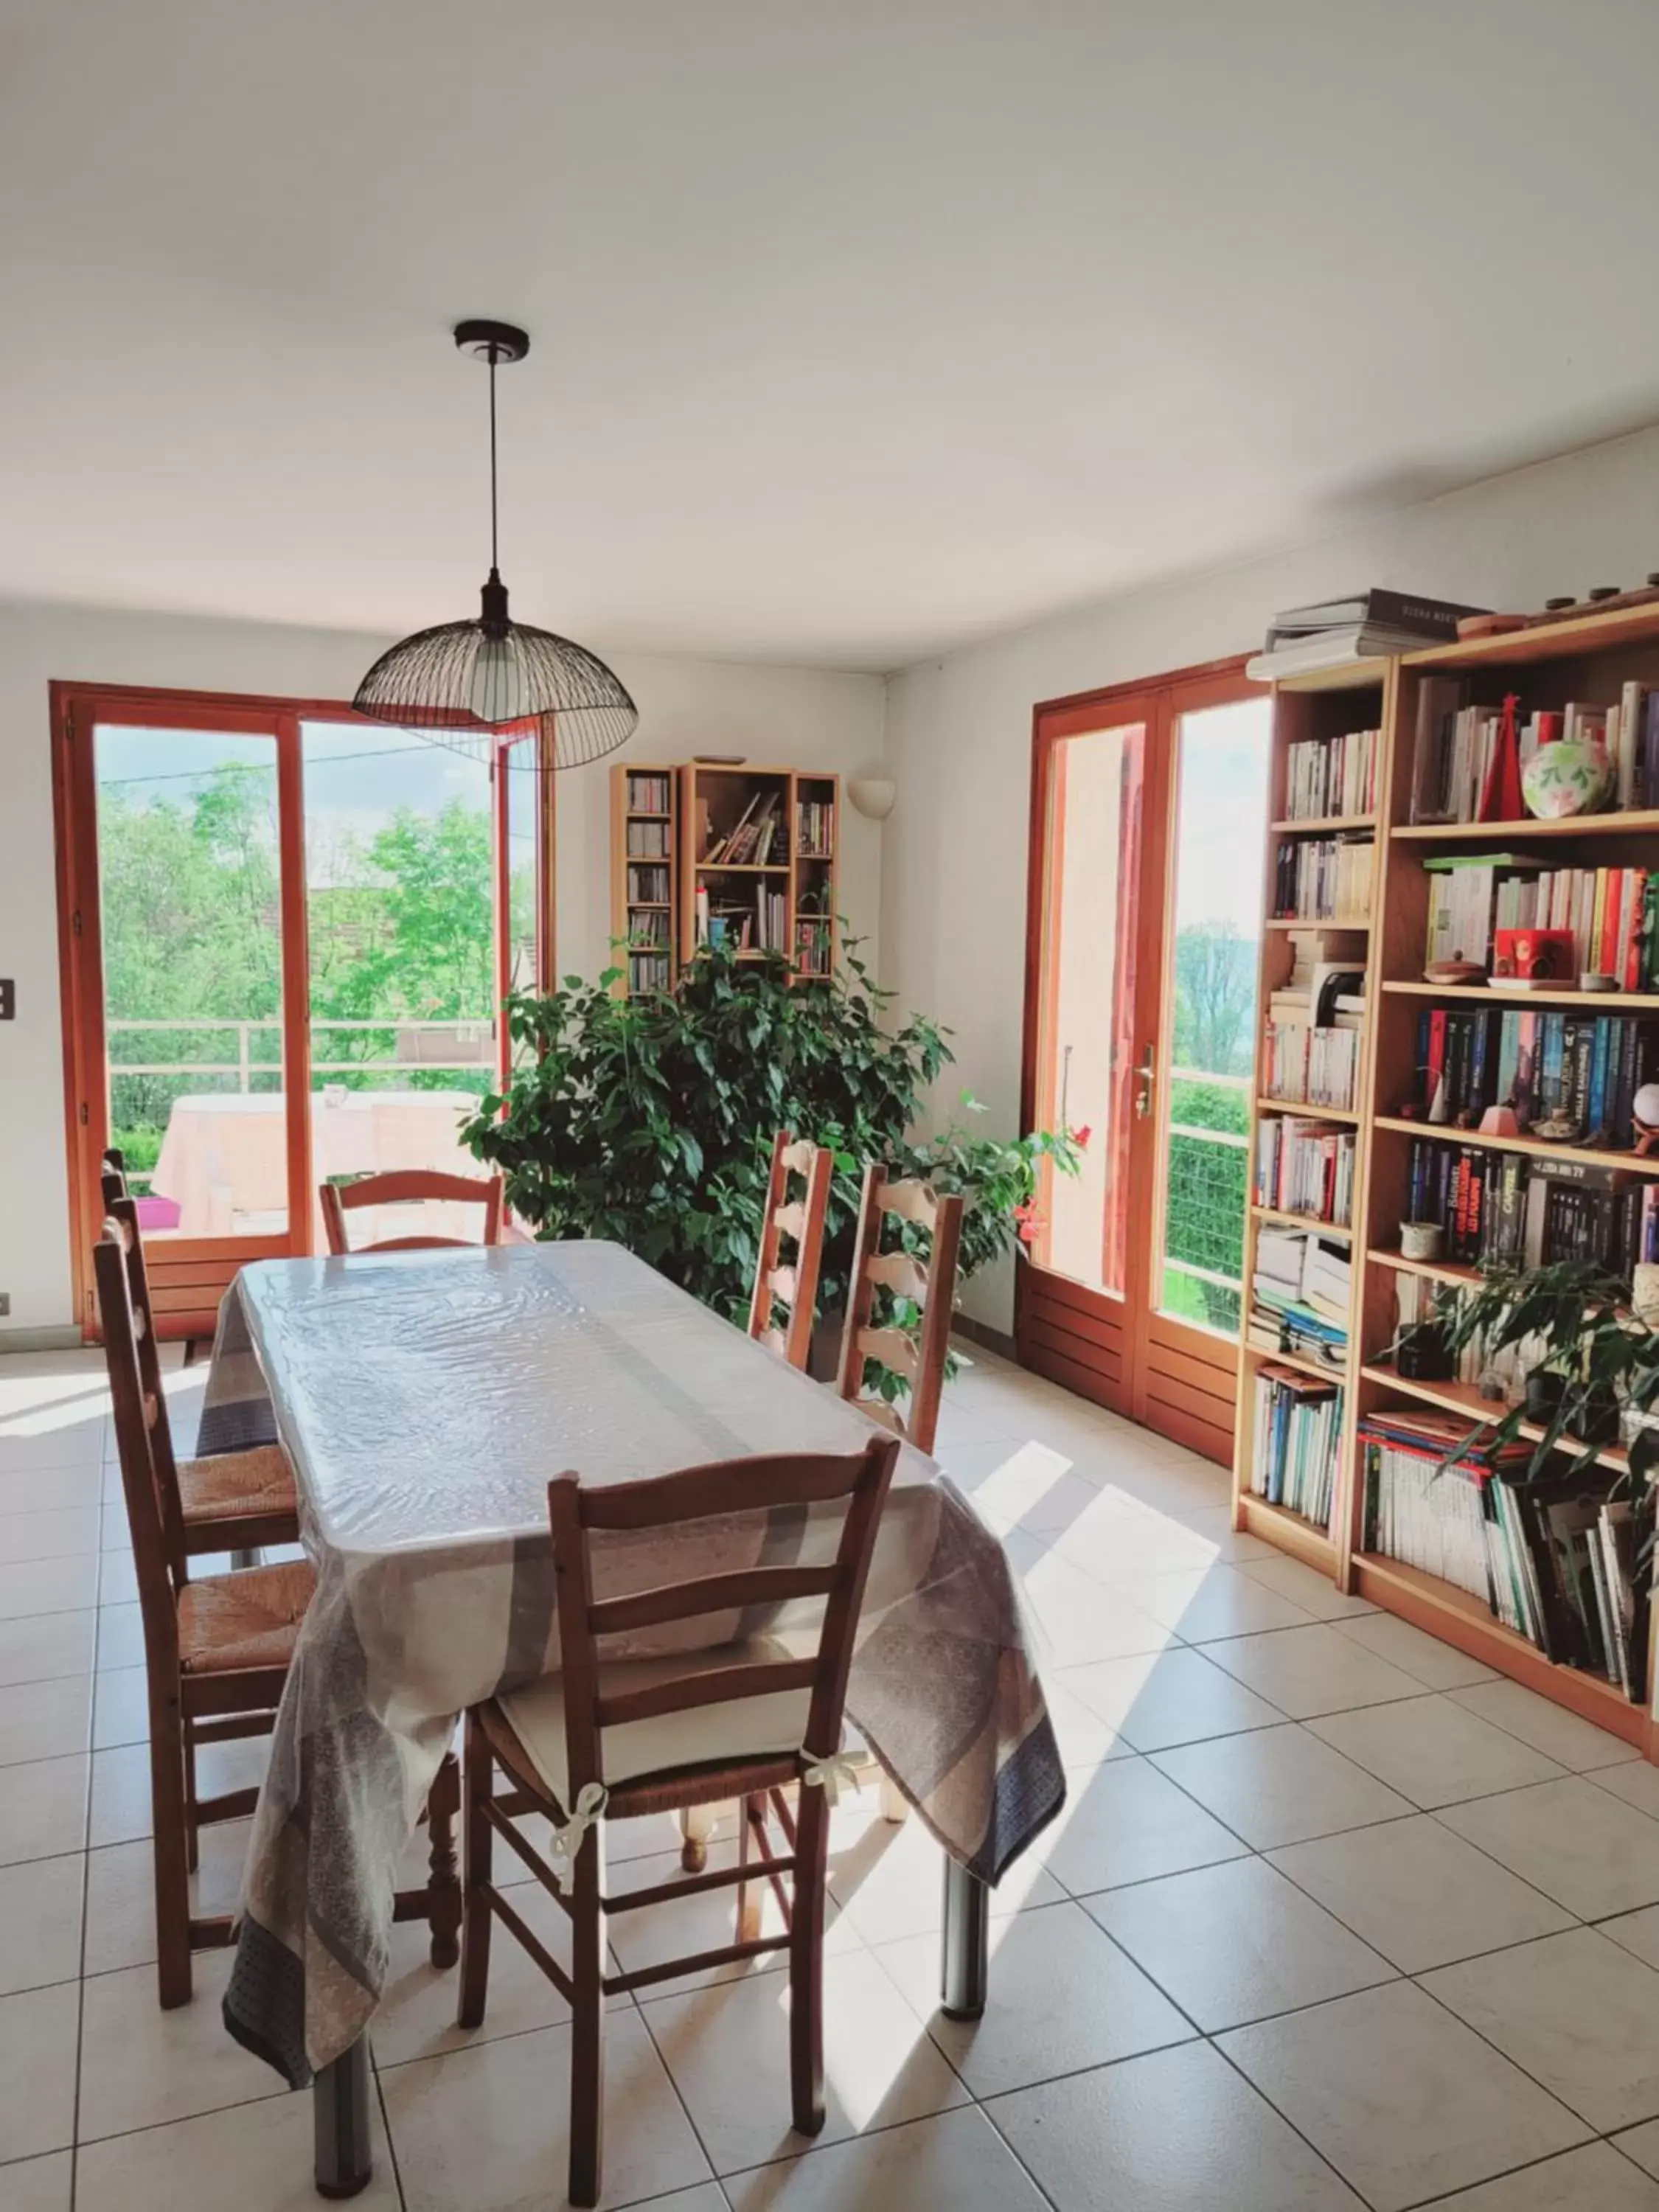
[246,1620]
[237,1485]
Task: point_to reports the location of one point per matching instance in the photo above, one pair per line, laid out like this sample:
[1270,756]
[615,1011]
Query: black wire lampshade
[462,682]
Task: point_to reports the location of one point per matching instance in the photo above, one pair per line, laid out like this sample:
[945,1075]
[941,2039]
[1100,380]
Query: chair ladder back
[573,1607]
[403,1186]
[124,1211]
[846,1602]
[919,1359]
[935,1346]
[157,1580]
[803,1219]
[700,1493]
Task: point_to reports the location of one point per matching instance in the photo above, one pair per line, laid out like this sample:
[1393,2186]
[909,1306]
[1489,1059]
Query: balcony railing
[481,1035]
[1209,1188]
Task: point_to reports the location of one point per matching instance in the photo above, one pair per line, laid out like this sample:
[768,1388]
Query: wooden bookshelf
[1333,704]
[1588,658]
[789,900]
[645,812]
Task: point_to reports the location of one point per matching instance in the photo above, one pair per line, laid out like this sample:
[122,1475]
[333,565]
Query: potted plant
[649,1119]
[1592,1360]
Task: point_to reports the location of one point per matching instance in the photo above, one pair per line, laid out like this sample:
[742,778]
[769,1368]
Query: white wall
[828,720]
[959,730]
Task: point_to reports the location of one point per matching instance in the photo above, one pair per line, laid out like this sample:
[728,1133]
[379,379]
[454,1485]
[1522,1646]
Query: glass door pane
[1218,849]
[522,815]
[1086,1036]
[400,902]
[189,875]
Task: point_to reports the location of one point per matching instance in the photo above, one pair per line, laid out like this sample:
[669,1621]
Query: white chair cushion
[743,1728]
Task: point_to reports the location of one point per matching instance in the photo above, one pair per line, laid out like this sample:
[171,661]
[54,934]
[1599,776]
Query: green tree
[441,958]
[1215,999]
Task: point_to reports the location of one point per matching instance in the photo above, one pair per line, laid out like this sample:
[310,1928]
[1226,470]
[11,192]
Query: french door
[285,934]
[1149,809]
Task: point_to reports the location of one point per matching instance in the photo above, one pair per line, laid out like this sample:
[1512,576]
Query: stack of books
[1300,1296]
[1304,1167]
[1504,1207]
[749,844]
[1457,741]
[647,795]
[814,830]
[1298,1423]
[648,840]
[1577,1073]
[1369,625]
[1554,1559]
[1331,776]
[647,887]
[648,971]
[1323,878]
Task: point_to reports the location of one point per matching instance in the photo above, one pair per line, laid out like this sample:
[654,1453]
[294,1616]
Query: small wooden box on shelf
[762,865]
[1294,1436]
[1588,660]
[645,824]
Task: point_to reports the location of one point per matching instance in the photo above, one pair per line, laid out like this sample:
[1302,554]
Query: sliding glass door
[1148,820]
[287,934]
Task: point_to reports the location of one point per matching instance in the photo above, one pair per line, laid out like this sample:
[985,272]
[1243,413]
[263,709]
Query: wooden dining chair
[233,1502]
[404,1186]
[794,1283]
[605,1740]
[929,1283]
[112,1173]
[217,1650]
[217,1654]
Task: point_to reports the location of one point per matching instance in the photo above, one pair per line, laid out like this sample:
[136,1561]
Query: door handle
[1146,1077]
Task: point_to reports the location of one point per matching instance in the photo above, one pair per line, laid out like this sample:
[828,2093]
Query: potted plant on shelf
[649,1119]
[1592,1362]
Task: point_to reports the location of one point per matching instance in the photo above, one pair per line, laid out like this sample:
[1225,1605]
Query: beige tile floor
[1334,1917]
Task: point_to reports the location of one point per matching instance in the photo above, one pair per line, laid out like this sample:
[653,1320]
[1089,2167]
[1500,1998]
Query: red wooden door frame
[1117,1349]
[189,1275]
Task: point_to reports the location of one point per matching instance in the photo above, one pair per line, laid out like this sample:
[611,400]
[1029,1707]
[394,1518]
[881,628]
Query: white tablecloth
[426,1398]
[224,1156]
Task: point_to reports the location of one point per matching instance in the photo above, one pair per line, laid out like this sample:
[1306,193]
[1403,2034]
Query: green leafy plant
[649,1119]
[1573,1321]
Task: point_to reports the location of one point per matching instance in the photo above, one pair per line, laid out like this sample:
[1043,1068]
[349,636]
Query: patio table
[426,1398]
[224,1154]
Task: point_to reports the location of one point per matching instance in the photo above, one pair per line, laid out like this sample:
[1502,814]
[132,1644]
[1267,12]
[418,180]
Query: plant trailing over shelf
[1591,1357]
[649,1119]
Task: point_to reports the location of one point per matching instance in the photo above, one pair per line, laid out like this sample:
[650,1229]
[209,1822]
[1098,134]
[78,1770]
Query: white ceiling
[861,326]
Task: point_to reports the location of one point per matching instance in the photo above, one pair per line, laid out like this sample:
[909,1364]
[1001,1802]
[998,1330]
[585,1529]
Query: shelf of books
[1316,986]
[644,857]
[1497,1125]
[762,869]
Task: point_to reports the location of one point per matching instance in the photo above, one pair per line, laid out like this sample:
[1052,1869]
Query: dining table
[426,1398]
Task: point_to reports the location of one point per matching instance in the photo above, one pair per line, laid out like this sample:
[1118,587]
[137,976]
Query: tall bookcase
[788,901]
[645,855]
[1332,704]
[1588,658]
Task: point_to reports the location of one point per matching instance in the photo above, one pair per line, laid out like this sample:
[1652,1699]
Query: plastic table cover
[425,1398]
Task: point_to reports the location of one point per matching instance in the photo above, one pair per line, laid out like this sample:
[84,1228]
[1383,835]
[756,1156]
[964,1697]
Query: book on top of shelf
[1413,612]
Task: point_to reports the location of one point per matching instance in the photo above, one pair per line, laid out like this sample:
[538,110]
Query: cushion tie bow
[567,1840]
[830,1774]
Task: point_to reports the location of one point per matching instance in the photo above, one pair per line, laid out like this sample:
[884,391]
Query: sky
[355,777]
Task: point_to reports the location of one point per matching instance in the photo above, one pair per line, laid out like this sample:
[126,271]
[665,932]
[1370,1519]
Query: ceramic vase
[1572,776]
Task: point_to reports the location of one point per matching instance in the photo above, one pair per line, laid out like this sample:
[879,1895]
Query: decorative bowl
[1572,776]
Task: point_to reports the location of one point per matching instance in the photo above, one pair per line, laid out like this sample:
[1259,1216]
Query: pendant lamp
[463,681]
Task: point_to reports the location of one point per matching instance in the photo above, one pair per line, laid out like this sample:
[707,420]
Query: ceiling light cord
[494,558]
